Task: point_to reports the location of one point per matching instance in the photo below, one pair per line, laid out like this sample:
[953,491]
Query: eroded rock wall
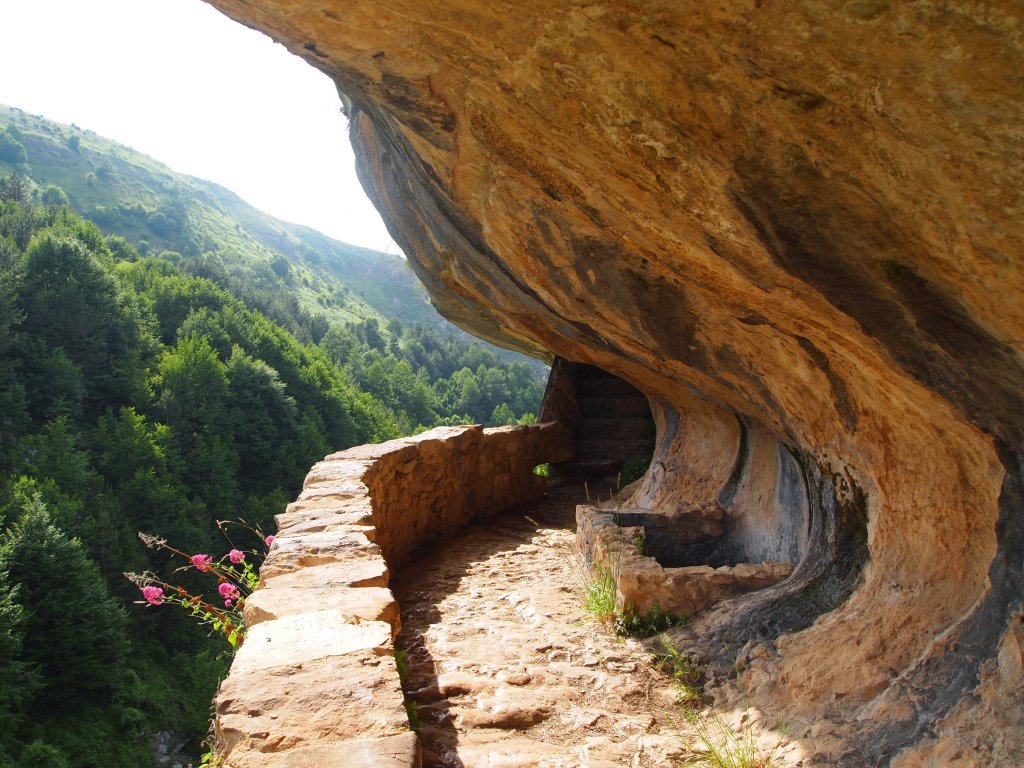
[806,215]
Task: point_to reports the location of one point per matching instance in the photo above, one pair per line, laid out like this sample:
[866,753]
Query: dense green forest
[162,391]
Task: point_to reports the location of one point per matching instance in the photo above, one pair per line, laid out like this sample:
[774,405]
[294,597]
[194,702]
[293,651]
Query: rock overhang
[800,220]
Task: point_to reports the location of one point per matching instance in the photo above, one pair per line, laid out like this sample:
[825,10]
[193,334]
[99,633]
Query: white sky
[200,93]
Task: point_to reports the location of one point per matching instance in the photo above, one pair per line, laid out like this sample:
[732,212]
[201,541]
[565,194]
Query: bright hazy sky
[206,96]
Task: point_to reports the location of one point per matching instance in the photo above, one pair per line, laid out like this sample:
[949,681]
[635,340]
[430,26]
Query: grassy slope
[130,194]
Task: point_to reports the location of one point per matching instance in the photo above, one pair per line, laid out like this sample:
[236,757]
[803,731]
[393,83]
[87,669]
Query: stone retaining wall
[609,543]
[315,682]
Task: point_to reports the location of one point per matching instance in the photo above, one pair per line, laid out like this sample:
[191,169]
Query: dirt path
[506,667]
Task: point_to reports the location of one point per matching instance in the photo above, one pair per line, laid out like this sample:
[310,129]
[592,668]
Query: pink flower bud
[153,595]
[236,556]
[202,562]
[269,540]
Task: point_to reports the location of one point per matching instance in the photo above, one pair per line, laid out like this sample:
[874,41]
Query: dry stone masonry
[626,545]
[315,682]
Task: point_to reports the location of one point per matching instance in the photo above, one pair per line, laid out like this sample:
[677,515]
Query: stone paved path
[508,670]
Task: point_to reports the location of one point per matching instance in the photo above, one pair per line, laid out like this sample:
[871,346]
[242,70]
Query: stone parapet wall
[315,682]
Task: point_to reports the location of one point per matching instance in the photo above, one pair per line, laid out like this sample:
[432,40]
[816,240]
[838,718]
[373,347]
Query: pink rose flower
[236,556]
[202,562]
[228,591]
[269,540]
[153,595]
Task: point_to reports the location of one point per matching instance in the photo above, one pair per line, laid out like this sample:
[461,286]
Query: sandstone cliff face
[797,227]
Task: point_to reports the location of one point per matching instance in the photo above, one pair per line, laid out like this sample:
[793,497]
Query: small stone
[514,678]
[583,718]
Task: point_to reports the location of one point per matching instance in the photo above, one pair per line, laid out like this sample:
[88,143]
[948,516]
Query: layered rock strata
[797,228]
[315,682]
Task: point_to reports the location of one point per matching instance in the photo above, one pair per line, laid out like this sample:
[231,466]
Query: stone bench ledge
[348,573]
[400,751]
[355,604]
[293,551]
[294,639]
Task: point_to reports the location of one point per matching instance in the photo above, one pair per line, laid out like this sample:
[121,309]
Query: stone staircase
[610,420]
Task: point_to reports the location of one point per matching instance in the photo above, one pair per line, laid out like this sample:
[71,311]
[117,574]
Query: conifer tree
[78,632]
[75,640]
[20,680]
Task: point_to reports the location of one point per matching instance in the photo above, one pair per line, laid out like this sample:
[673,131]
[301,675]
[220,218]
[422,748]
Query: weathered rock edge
[797,219]
[315,682]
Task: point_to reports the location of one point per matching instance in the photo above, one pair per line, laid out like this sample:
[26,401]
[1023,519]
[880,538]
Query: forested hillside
[292,273]
[137,395]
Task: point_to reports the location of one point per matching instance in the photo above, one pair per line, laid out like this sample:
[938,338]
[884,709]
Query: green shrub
[632,624]
[634,468]
[12,151]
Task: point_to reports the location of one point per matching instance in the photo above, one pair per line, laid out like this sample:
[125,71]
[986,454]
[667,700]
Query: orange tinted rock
[797,228]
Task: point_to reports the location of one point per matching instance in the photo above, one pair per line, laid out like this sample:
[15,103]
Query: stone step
[610,387]
[588,449]
[615,428]
[613,406]
[583,470]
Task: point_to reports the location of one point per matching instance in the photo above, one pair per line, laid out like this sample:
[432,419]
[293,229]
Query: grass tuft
[412,711]
[599,595]
[402,665]
[725,748]
[412,708]
[685,672]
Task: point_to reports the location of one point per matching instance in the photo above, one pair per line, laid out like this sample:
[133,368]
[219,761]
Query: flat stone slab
[337,469]
[355,604]
[345,488]
[356,522]
[395,450]
[523,752]
[400,751]
[291,552]
[325,505]
[304,637]
[331,699]
[371,572]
